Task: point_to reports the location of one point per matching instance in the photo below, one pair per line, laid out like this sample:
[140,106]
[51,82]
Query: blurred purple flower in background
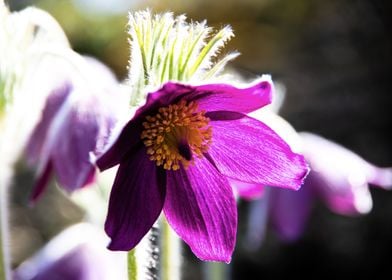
[177,154]
[75,126]
[338,177]
[77,253]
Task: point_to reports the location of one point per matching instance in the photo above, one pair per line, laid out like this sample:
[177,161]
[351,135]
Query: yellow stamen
[175,134]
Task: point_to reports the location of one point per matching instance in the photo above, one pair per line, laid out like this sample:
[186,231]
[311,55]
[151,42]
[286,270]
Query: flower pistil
[175,134]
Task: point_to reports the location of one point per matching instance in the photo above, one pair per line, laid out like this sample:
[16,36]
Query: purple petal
[82,131]
[136,200]
[247,191]
[247,150]
[128,140]
[340,176]
[201,209]
[73,147]
[343,197]
[224,97]
[82,263]
[53,104]
[290,211]
[224,115]
[215,97]
[381,177]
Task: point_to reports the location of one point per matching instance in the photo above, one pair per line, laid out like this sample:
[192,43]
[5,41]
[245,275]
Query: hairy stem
[170,253]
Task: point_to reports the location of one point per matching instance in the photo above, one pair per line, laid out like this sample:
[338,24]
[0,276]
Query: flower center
[175,134]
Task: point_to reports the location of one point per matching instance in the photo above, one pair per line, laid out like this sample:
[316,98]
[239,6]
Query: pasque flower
[177,154]
[181,147]
[74,128]
[76,253]
[54,104]
[338,177]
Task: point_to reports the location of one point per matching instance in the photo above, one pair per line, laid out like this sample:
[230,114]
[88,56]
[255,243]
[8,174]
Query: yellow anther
[175,124]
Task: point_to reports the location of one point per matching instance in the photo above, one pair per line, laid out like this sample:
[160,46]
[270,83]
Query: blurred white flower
[25,38]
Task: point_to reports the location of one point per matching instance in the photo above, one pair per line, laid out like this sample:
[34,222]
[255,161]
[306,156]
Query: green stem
[165,256]
[216,271]
[170,253]
[132,265]
[143,259]
[4,261]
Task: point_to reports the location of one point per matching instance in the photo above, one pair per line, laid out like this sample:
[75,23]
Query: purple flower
[338,177]
[75,124]
[77,253]
[178,153]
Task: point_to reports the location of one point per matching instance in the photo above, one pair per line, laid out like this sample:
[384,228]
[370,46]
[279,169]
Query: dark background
[334,58]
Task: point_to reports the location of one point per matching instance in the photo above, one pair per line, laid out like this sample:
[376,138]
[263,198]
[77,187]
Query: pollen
[176,134]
